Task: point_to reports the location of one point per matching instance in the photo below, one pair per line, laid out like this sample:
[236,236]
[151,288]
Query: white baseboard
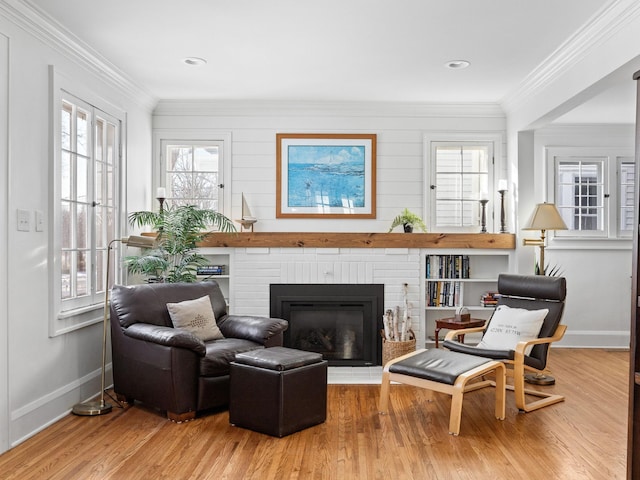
[37,415]
[595,339]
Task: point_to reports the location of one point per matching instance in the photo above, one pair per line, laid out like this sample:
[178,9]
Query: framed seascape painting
[325,175]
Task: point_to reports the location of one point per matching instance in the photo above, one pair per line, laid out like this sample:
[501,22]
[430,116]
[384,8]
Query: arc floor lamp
[100,407]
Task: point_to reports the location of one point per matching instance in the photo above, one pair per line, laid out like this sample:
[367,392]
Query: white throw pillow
[195,316]
[508,326]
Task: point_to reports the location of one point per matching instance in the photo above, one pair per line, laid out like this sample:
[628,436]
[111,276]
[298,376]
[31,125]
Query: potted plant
[175,257]
[409,221]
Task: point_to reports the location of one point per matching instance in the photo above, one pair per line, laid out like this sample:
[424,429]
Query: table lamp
[545,217]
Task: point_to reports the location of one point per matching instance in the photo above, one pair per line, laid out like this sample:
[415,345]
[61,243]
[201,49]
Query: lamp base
[91,408]
[539,379]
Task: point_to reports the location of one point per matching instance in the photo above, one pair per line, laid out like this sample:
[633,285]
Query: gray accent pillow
[195,316]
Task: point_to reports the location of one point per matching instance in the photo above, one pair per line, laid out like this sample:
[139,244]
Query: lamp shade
[139,241]
[545,217]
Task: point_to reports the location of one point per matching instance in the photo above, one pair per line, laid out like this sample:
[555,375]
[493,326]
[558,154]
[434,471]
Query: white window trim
[623,234]
[498,172]
[161,136]
[610,182]
[61,322]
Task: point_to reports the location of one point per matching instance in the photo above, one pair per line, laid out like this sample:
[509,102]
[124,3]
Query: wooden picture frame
[322,175]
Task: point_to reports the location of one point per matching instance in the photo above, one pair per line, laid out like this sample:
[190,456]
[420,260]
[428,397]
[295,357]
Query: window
[85,198]
[580,197]
[460,174]
[192,173]
[594,191]
[88,180]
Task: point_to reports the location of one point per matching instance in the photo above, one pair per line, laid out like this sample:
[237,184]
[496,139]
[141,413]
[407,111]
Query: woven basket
[394,349]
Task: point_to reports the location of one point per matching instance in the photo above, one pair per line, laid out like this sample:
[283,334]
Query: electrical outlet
[24,220]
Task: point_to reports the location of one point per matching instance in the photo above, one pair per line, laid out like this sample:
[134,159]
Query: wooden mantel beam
[360,240]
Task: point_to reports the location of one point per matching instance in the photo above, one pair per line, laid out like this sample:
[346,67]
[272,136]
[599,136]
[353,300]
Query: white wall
[47,376]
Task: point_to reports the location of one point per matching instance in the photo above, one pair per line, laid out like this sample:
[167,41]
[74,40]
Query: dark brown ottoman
[278,390]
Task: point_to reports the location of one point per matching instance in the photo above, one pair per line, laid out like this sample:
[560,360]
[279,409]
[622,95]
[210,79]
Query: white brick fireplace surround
[254,269]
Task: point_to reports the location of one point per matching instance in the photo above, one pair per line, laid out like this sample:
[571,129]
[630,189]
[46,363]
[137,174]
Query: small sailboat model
[247,219]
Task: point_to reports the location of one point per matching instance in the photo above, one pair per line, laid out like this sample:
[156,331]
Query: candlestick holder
[483,216]
[161,200]
[503,223]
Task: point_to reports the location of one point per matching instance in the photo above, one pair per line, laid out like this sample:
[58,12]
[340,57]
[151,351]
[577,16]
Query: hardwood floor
[581,438]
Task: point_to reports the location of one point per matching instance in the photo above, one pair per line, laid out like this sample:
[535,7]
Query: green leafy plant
[175,257]
[554,271]
[409,221]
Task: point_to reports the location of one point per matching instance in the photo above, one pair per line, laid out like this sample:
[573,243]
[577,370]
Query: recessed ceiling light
[457,64]
[194,61]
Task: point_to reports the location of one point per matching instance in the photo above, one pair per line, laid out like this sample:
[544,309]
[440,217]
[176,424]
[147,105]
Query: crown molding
[344,109]
[46,29]
[606,23]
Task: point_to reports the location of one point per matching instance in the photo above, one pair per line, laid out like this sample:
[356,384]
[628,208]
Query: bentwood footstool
[278,390]
[446,372]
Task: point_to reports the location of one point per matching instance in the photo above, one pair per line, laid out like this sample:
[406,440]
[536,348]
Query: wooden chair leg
[546,399]
[124,399]
[501,394]
[181,417]
[520,393]
[384,394]
[456,411]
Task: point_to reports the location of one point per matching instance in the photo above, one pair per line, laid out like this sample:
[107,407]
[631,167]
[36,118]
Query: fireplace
[339,321]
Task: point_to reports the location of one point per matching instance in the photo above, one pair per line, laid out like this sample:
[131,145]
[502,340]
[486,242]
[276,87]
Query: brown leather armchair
[170,368]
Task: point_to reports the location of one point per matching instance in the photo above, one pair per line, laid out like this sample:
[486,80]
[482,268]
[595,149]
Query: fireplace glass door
[340,321]
[336,334]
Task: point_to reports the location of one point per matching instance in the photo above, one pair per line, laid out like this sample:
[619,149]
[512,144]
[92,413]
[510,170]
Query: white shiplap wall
[252,128]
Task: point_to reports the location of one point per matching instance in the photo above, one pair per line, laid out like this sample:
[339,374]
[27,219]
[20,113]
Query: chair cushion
[195,316]
[437,365]
[220,353]
[508,326]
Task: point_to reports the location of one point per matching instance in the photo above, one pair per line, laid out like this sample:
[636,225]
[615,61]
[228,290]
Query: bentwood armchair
[535,294]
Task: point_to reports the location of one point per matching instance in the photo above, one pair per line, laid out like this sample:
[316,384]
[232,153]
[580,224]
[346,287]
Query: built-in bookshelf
[461,278]
[218,268]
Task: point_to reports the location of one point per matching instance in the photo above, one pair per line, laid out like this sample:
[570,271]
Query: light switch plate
[24,220]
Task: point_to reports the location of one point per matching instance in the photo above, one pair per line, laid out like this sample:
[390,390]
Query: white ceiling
[329,50]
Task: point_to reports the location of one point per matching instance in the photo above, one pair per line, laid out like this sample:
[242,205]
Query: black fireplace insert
[340,321]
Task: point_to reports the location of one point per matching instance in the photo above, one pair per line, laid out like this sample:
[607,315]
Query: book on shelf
[489,299]
[211,270]
[447,266]
[443,293]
